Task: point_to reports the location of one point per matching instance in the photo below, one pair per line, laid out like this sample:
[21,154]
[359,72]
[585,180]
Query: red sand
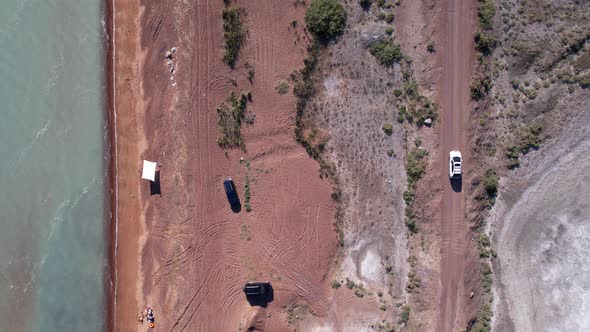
[128,104]
[197,254]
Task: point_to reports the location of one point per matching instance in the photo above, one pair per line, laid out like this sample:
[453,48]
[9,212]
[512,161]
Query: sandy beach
[128,142]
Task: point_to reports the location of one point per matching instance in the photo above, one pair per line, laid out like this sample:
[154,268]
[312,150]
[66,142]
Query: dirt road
[458,50]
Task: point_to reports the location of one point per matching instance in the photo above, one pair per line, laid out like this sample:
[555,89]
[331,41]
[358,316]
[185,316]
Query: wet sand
[128,142]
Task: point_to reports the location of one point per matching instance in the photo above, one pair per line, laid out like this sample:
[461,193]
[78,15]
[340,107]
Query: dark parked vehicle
[231,192]
[257,289]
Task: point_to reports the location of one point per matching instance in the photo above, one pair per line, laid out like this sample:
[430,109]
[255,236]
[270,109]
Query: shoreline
[124,67]
[111,234]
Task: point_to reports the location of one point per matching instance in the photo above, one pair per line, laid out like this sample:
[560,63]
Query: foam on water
[52,143]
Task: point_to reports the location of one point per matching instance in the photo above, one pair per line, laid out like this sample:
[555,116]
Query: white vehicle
[455,164]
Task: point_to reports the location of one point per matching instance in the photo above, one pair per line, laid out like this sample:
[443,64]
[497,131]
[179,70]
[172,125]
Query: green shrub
[231,114]
[388,129]
[512,154]
[391,152]
[282,87]
[430,47]
[411,89]
[247,194]
[389,17]
[397,92]
[527,138]
[490,183]
[404,316]
[530,137]
[389,31]
[483,323]
[365,4]
[416,165]
[326,19]
[408,197]
[386,52]
[250,72]
[413,282]
[304,89]
[485,42]
[412,226]
[234,34]
[413,261]
[335,284]
[530,93]
[481,85]
[486,11]
[486,277]
[583,81]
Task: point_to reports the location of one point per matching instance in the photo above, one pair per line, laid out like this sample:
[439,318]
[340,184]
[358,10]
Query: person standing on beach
[140,318]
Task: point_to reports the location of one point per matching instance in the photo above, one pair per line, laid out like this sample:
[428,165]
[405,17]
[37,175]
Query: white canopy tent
[149,170]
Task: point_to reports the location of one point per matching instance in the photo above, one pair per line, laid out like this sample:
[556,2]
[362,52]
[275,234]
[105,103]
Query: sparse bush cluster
[413,282]
[481,85]
[305,129]
[415,168]
[282,87]
[416,165]
[485,42]
[485,12]
[358,289]
[404,316]
[484,38]
[388,129]
[365,4]
[391,153]
[231,114]
[387,52]
[528,138]
[304,90]
[430,47]
[486,276]
[384,326]
[483,244]
[234,33]
[417,108]
[483,323]
[326,19]
[490,183]
[418,112]
[387,17]
[247,194]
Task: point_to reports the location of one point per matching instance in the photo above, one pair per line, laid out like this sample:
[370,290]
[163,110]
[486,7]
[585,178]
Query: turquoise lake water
[52,161]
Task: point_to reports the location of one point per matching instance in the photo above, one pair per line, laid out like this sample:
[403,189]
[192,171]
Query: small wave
[25,151]
[55,73]
[68,205]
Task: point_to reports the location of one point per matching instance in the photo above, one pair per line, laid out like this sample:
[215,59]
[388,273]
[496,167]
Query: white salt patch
[371,266]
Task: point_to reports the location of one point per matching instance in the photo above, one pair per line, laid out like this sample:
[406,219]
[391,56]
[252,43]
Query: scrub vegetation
[325,19]
[387,52]
[234,33]
[231,114]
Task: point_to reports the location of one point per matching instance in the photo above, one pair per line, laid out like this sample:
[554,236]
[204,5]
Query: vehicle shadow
[155,188]
[457,184]
[236,208]
[261,300]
